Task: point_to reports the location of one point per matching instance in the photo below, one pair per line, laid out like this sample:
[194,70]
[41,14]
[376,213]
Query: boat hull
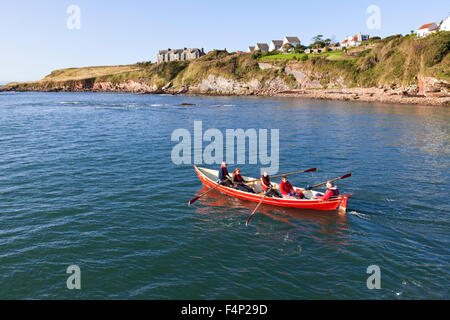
[335,204]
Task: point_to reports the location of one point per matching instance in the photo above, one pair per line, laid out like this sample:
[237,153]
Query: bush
[170,70]
[364,53]
[145,64]
[436,49]
[256,55]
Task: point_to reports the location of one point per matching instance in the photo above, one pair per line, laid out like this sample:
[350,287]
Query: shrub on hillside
[170,70]
[436,49]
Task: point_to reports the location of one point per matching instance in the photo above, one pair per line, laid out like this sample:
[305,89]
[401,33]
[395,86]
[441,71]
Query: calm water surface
[87,179]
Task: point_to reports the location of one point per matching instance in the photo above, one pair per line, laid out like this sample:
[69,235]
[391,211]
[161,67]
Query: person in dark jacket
[224,177]
[267,186]
[239,181]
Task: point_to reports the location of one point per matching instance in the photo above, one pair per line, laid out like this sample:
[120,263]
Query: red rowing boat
[209,177]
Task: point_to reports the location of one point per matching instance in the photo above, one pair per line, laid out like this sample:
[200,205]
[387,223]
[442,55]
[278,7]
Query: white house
[251,49]
[292,40]
[275,45]
[355,41]
[445,25]
[427,29]
[263,47]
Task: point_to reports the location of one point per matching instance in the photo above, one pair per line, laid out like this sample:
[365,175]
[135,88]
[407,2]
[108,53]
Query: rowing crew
[287,191]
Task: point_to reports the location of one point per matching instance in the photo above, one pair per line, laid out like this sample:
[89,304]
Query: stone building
[179,54]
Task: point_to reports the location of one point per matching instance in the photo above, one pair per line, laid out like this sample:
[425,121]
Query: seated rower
[224,177]
[332,191]
[287,191]
[239,182]
[267,186]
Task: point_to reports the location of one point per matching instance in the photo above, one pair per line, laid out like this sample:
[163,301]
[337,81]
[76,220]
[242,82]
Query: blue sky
[34,38]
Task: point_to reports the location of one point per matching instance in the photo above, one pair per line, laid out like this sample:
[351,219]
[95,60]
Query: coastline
[370,95]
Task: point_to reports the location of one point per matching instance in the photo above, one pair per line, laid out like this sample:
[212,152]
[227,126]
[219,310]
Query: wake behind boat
[209,177]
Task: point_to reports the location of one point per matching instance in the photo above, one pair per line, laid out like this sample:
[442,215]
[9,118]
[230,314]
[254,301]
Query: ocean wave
[71,102]
[359,215]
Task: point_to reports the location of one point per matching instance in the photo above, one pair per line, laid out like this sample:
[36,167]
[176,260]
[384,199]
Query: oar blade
[346,176]
[248,220]
[254,211]
[311,170]
[193,200]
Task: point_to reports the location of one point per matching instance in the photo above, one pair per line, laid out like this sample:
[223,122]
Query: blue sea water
[87,179]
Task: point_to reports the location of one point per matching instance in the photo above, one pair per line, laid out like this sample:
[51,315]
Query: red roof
[426,26]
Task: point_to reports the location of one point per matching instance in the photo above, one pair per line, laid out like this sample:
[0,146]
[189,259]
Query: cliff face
[396,66]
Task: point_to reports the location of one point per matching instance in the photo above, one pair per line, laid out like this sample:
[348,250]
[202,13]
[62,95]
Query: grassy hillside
[393,61]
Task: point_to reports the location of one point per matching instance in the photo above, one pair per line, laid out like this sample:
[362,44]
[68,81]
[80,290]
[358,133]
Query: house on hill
[250,49]
[445,25]
[179,54]
[275,45]
[355,41]
[427,29]
[292,40]
[263,47]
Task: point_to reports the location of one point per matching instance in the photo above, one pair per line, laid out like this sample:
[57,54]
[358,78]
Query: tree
[318,38]
[299,48]
[287,47]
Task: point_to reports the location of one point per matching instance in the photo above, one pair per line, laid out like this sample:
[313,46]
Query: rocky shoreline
[216,86]
[370,95]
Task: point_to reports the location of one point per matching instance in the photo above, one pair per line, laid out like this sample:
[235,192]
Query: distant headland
[401,69]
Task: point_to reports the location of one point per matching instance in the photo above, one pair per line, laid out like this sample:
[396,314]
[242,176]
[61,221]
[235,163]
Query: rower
[239,181]
[332,191]
[267,186]
[224,177]
[287,191]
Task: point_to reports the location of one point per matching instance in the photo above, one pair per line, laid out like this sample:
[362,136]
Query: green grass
[330,55]
[87,72]
[287,56]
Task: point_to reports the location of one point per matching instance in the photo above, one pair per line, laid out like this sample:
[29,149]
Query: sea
[94,200]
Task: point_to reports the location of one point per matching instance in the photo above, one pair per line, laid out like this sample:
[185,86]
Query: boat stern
[343,206]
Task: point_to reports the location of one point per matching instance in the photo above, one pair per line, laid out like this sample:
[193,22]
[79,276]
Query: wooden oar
[320,184]
[287,174]
[196,198]
[259,204]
